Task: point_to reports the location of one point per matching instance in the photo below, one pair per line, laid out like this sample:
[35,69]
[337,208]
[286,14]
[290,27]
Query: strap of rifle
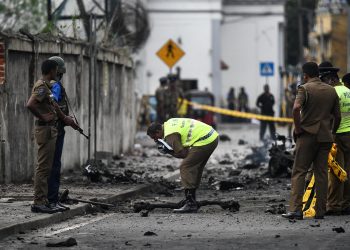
[70,107]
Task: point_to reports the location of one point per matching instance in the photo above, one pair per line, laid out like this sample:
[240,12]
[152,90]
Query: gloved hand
[70,122]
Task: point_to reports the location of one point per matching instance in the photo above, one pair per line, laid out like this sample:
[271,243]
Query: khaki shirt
[174,141]
[319,103]
[42,94]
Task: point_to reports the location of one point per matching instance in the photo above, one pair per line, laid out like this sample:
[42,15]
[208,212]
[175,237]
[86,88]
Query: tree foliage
[292,29]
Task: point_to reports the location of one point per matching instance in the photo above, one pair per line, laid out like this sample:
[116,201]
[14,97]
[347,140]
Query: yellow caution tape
[338,171]
[309,198]
[239,114]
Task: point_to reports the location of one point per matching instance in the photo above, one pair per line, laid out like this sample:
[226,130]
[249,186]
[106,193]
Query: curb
[81,209]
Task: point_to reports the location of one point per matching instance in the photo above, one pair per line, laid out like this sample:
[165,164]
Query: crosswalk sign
[266,69]
[170,53]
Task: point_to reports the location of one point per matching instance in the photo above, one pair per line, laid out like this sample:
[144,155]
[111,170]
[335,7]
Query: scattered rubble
[150,233]
[232,206]
[144,213]
[276,209]
[338,229]
[66,243]
[242,142]
[224,137]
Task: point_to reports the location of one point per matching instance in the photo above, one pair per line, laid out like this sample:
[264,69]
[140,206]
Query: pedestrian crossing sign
[266,69]
[170,53]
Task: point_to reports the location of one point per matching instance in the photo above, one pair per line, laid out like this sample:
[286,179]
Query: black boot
[190,203]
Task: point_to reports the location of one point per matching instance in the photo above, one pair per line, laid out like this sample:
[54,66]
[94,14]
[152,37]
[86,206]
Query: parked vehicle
[201,97]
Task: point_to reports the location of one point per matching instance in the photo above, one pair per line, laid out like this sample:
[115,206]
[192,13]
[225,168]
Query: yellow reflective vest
[193,133]
[344,103]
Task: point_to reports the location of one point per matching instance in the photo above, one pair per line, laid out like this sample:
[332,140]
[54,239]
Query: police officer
[160,97]
[60,96]
[315,105]
[338,200]
[192,141]
[172,96]
[47,113]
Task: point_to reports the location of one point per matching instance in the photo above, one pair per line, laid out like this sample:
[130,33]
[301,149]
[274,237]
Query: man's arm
[258,102]
[337,115]
[32,105]
[298,103]
[174,140]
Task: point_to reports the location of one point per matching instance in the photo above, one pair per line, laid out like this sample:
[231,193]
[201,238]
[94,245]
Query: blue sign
[266,69]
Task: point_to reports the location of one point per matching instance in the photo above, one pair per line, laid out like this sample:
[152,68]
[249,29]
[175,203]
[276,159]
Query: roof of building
[254,2]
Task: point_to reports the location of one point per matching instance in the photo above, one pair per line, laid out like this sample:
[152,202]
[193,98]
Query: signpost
[267,69]
[170,53]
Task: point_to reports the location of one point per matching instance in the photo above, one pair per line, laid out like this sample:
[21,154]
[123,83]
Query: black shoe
[333,213]
[189,207]
[61,205]
[56,206]
[293,215]
[43,209]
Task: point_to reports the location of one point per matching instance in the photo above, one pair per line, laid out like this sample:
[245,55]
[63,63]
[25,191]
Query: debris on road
[338,229]
[224,137]
[242,142]
[276,209]
[150,233]
[315,225]
[144,213]
[227,185]
[66,243]
[232,206]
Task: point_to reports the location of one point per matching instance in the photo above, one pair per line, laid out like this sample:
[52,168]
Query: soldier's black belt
[42,123]
[206,136]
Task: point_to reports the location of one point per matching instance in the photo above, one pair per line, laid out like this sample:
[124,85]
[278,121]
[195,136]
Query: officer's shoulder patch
[41,90]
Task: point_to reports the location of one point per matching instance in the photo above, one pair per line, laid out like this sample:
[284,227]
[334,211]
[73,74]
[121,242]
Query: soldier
[265,102]
[47,112]
[60,96]
[314,108]
[160,96]
[193,141]
[172,96]
[338,200]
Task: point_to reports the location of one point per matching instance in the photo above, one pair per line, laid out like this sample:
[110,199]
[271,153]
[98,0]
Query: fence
[99,84]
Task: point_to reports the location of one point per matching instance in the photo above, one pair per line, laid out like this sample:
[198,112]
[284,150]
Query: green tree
[292,35]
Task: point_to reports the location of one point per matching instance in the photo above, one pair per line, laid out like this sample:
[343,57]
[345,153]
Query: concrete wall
[252,34]
[115,103]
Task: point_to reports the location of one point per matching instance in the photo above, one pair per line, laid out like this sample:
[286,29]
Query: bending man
[192,141]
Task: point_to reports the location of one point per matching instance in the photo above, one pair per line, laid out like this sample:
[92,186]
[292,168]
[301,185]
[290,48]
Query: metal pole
[322,38]
[95,89]
[90,84]
[49,13]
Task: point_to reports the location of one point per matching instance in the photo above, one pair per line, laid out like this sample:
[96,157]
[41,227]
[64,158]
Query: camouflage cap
[60,62]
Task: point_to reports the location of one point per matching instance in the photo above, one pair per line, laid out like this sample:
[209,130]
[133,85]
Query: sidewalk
[130,176]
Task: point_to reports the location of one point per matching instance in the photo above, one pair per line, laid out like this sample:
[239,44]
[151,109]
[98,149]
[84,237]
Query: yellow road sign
[170,53]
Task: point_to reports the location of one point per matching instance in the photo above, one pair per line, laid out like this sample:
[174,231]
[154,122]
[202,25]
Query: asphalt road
[211,228]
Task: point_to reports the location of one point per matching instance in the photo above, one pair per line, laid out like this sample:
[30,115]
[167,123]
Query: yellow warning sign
[170,53]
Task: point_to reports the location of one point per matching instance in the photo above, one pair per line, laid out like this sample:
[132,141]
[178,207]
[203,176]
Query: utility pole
[301,33]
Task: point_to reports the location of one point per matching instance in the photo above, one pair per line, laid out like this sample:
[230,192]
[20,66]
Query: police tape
[238,114]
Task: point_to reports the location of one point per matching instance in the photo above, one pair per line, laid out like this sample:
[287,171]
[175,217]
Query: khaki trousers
[45,137]
[339,192]
[309,151]
[191,168]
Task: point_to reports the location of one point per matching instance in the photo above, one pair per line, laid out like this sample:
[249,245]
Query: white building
[252,32]
[195,26]
[241,33]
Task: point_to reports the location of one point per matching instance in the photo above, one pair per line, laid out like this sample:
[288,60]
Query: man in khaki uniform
[160,97]
[314,108]
[47,113]
[193,141]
